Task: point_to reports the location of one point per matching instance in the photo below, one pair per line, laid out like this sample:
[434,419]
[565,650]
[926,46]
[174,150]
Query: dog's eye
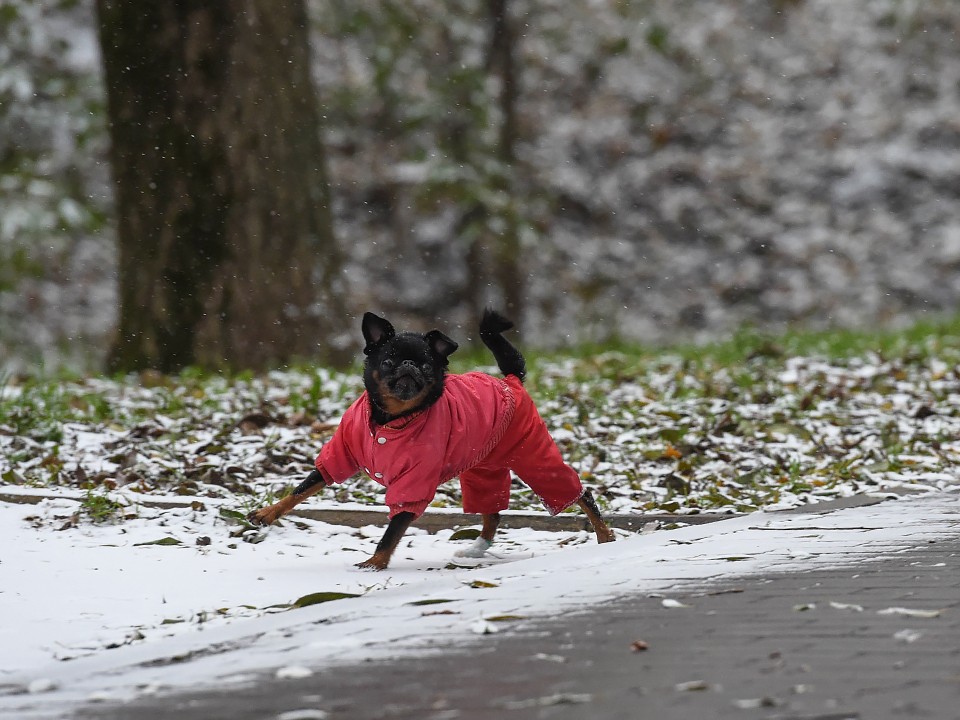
[426,367]
[387,364]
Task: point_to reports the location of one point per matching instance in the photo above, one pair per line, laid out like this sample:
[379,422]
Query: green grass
[742,355]
[38,407]
[99,507]
[921,339]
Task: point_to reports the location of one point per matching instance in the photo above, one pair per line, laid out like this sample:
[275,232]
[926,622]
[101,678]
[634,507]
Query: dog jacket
[480,429]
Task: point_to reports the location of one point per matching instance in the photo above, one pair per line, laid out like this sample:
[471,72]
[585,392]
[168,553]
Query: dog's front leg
[388,543]
[589,507]
[270,514]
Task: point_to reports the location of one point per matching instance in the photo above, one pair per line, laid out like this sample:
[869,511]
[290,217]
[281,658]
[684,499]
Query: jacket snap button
[378,475]
[382,440]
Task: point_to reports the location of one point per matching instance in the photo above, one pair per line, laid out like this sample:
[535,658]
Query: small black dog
[417,426]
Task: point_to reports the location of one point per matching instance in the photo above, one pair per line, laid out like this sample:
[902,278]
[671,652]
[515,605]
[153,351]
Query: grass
[921,339]
[38,407]
[99,507]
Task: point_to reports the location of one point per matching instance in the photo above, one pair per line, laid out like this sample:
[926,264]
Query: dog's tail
[508,358]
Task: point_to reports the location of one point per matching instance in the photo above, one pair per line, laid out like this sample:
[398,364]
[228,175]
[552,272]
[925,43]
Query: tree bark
[507,244]
[227,251]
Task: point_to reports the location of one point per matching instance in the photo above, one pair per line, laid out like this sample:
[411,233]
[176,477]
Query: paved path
[818,644]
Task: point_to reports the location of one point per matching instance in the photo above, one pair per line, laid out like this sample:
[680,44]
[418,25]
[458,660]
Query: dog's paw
[606,535]
[377,562]
[264,516]
[477,549]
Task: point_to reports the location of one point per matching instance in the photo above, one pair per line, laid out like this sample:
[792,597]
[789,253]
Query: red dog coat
[481,428]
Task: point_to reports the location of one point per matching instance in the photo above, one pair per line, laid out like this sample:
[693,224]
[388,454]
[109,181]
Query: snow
[135,618]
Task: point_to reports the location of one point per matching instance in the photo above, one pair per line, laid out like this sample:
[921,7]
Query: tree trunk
[227,253]
[507,244]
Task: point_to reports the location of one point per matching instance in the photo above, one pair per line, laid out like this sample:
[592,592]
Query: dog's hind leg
[480,546]
[388,543]
[589,506]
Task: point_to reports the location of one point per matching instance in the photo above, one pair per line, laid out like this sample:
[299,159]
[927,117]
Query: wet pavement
[874,638]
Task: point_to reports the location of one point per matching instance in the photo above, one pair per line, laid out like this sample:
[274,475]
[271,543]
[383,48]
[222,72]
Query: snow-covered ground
[107,596]
[150,605]
[647,434]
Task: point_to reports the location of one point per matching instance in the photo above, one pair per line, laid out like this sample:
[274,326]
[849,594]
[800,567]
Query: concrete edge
[435,520]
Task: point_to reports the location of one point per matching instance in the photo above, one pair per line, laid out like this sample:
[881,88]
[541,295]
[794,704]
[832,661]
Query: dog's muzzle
[407,382]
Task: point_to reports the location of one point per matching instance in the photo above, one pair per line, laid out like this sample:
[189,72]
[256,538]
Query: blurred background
[658,171]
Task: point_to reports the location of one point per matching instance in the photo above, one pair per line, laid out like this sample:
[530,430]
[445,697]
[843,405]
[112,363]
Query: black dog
[417,426]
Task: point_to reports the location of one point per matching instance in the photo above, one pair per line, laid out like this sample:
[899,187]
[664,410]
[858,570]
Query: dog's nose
[408,363]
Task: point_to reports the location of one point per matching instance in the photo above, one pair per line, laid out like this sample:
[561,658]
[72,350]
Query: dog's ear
[376,330]
[440,344]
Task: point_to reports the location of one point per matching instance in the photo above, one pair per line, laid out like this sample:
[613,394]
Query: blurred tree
[501,62]
[431,91]
[227,252]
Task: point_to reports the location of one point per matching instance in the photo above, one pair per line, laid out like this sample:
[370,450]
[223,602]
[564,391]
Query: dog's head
[404,372]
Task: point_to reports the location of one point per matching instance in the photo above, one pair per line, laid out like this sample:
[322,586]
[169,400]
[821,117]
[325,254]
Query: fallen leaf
[482,627]
[252,424]
[481,584]
[71,522]
[638,646]
[255,535]
[12,477]
[321,428]
[923,412]
[466,534]
[235,516]
[671,453]
[161,541]
[321,597]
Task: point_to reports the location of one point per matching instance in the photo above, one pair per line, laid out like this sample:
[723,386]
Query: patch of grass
[99,507]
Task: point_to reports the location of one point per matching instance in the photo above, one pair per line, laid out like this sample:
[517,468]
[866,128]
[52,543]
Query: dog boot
[477,549]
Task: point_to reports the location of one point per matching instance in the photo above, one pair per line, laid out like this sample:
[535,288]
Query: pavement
[874,633]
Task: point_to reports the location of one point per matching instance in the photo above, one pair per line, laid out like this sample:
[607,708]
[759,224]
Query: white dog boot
[477,549]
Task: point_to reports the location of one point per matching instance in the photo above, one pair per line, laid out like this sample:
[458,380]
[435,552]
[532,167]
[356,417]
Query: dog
[417,426]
